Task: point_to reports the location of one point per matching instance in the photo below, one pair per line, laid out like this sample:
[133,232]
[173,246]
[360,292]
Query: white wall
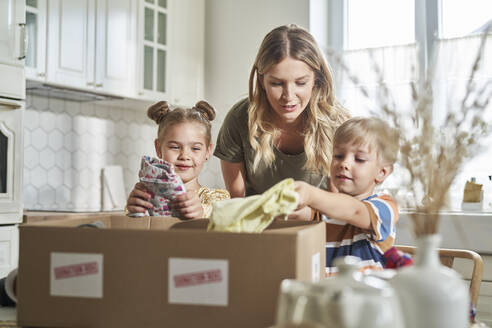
[234,30]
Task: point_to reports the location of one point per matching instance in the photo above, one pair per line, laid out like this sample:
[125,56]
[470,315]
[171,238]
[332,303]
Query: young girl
[184,140]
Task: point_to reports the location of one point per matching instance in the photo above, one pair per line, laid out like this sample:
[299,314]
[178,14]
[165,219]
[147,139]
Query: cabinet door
[9,249]
[115,46]
[153,49]
[187,51]
[71,42]
[12,48]
[11,161]
[36,36]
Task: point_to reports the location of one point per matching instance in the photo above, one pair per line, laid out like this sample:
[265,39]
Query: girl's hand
[138,200]
[188,205]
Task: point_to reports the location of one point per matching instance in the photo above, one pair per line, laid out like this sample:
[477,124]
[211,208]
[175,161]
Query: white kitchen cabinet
[71,32]
[91,44]
[9,249]
[12,48]
[171,50]
[36,19]
[11,160]
[116,33]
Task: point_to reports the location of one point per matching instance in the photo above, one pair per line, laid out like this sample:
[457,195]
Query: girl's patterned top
[210,195]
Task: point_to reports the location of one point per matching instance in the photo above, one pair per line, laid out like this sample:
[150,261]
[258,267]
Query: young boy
[358,222]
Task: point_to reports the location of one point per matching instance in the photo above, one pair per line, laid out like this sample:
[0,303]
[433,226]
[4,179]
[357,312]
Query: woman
[285,128]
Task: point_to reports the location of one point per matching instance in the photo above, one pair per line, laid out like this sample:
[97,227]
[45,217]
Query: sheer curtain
[396,67]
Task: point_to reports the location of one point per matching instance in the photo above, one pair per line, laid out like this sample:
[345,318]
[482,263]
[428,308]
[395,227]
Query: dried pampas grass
[432,153]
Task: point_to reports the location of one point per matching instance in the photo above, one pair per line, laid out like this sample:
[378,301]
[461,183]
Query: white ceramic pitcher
[347,300]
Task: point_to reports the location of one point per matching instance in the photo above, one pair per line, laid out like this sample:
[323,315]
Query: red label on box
[76,270]
[197,278]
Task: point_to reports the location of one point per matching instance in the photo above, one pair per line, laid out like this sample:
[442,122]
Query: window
[389,34]
[378,23]
[461,18]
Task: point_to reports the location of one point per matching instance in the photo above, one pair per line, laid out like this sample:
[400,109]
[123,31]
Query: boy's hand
[188,205]
[304,190]
[303,214]
[138,200]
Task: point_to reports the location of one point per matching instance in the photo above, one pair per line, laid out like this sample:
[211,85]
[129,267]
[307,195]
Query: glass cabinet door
[155,45]
[36,39]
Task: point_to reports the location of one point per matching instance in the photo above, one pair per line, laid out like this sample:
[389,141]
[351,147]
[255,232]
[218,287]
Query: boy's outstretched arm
[335,205]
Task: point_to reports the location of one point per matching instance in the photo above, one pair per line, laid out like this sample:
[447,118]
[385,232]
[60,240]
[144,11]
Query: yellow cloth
[254,213]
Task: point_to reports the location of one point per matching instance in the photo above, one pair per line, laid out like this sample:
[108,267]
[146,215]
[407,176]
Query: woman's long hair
[323,113]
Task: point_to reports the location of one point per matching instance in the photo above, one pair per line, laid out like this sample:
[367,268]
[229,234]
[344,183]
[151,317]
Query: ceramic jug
[357,300]
[347,300]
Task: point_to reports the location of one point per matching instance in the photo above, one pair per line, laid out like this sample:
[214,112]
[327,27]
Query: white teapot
[347,300]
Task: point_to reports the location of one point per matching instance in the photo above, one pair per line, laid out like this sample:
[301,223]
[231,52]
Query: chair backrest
[447,257]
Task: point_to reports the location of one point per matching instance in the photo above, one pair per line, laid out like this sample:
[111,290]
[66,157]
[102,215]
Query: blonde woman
[285,128]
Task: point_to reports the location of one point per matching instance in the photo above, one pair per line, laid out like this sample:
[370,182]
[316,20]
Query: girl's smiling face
[288,86]
[185,146]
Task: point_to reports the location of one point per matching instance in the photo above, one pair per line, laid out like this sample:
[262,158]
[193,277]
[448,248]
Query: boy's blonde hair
[165,117]
[323,113]
[372,131]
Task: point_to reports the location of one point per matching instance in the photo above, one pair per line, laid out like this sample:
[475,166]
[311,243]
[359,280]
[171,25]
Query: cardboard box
[159,272]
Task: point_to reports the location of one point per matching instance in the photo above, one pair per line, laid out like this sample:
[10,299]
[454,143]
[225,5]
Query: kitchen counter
[34,216]
[465,230]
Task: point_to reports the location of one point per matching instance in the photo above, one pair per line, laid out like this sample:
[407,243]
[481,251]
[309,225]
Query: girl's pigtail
[205,109]
[158,111]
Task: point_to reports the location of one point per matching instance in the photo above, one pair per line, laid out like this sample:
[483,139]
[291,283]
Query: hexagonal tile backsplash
[67,143]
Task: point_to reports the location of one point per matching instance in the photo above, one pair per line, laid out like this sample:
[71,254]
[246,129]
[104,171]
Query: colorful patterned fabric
[345,239]
[162,183]
[394,259]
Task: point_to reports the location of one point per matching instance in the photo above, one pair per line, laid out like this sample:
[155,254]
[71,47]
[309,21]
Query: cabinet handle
[41,74]
[23,41]
[99,85]
[90,84]
[140,93]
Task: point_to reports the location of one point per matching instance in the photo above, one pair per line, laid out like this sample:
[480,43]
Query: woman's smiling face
[288,86]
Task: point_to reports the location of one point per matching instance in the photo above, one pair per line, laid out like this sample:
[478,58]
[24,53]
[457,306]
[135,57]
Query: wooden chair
[447,257]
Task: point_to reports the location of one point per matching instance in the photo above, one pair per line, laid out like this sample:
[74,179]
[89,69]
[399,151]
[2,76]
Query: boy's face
[356,169]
